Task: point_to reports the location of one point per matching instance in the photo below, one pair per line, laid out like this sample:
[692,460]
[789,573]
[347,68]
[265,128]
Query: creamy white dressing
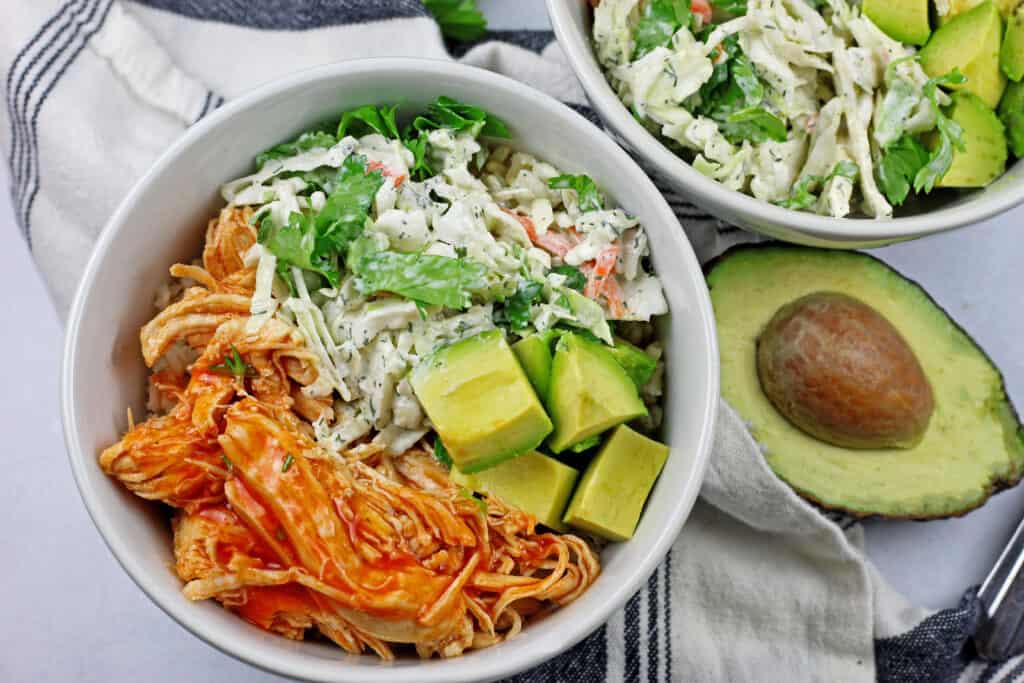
[807,59]
[365,345]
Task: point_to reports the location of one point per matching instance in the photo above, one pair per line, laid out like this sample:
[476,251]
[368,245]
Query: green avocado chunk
[1011,113]
[589,393]
[973,444]
[534,354]
[533,482]
[480,402]
[969,42]
[902,20]
[637,364]
[984,156]
[615,485]
[1011,56]
[957,7]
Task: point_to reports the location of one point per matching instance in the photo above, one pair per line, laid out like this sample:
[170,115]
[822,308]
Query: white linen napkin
[760,585]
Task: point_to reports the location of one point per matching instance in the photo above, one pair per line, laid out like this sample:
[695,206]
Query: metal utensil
[1001,634]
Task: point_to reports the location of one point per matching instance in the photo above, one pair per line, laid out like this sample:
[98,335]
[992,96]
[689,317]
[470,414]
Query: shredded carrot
[398,178]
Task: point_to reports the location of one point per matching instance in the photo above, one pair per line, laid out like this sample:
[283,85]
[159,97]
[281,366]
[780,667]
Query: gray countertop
[73,614]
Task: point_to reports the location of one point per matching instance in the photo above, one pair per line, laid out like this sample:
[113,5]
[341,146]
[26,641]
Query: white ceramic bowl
[162,221]
[571,20]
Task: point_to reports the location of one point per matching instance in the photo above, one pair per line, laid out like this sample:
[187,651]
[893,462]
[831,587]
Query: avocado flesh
[533,482]
[957,7]
[973,444]
[902,20]
[534,354]
[590,392]
[1011,113]
[970,42]
[1011,55]
[611,495]
[984,156]
[637,364]
[480,402]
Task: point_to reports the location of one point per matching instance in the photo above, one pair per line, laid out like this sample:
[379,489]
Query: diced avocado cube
[534,354]
[589,393]
[958,7]
[1011,56]
[903,20]
[533,482]
[970,42]
[480,402]
[984,156]
[615,485]
[637,364]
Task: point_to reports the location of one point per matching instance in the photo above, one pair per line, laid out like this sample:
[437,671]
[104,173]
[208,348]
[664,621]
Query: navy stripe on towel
[296,15]
[99,11]
[931,650]
[587,662]
[653,644]
[50,44]
[631,638]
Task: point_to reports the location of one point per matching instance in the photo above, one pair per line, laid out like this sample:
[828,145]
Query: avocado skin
[1006,412]
[1011,113]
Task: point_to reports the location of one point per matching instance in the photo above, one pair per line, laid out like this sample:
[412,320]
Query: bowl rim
[835,230]
[227,642]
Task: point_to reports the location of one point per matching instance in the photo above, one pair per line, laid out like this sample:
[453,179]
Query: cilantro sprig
[659,21]
[234,365]
[734,97]
[460,20]
[314,241]
[516,311]
[950,134]
[802,196]
[898,167]
[590,197]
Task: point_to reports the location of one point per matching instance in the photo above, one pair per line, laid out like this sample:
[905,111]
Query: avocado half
[973,445]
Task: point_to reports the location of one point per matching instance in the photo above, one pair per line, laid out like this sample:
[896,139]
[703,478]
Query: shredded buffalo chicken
[369,549]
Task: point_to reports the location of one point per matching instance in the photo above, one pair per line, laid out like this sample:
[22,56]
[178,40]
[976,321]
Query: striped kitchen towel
[760,586]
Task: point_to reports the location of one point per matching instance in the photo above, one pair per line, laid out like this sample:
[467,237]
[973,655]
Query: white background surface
[70,612]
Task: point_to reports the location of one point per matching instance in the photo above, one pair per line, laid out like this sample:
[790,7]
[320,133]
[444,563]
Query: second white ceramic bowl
[162,222]
[571,20]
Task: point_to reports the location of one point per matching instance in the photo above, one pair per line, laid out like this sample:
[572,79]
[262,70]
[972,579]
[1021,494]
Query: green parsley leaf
[305,142]
[574,277]
[441,453]
[659,21]
[452,114]
[369,119]
[233,365]
[516,311]
[287,464]
[736,8]
[314,241]
[898,166]
[459,20]
[590,198]
[433,280]
[802,196]
[755,124]
[950,134]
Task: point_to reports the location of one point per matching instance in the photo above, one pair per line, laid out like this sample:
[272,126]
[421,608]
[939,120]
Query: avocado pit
[840,371]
